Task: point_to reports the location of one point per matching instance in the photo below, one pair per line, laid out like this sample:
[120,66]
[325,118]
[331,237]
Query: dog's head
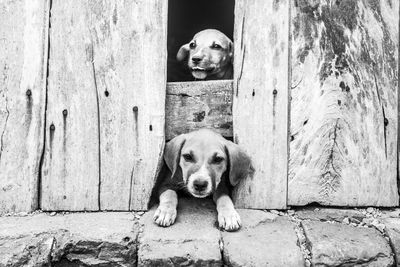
[209,54]
[204,157]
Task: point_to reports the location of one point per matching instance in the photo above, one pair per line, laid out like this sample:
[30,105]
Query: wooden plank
[343,148]
[23,61]
[195,105]
[70,172]
[130,62]
[260,103]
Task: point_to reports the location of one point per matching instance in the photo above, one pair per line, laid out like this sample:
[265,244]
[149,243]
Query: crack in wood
[383,114]
[98,121]
[4,129]
[47,56]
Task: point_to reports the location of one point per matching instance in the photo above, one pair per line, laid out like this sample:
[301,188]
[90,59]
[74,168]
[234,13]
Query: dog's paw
[165,216]
[229,220]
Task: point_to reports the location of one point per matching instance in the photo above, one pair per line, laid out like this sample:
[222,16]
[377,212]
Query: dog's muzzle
[200,184]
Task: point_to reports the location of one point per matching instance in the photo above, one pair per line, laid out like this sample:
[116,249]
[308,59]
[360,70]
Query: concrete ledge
[332,237]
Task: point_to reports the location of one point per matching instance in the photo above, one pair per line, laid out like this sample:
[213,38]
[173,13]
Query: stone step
[318,238]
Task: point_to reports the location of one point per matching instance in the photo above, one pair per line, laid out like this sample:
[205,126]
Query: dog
[209,55]
[202,163]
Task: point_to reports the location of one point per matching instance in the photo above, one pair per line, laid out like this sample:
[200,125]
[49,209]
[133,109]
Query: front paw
[165,216]
[229,219]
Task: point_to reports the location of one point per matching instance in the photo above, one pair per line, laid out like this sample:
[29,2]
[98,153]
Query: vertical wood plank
[70,173]
[343,148]
[23,61]
[129,42]
[150,132]
[260,104]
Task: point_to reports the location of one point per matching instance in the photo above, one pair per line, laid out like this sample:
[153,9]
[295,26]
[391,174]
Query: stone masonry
[302,237]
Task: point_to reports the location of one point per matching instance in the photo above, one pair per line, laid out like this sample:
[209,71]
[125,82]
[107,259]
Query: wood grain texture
[343,148]
[195,105]
[129,58]
[23,61]
[149,134]
[107,70]
[260,104]
[70,173]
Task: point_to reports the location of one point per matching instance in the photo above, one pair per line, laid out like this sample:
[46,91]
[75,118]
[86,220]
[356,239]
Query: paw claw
[164,216]
[229,220]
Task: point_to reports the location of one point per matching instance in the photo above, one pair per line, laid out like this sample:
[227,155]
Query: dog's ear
[239,163]
[231,51]
[172,153]
[183,52]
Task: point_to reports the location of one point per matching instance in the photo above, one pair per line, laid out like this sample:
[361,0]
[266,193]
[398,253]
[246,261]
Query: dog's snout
[196,59]
[200,185]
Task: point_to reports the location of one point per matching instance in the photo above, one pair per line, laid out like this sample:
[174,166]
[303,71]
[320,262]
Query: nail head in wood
[386,121]
[28,92]
[275,91]
[52,127]
[135,109]
[65,112]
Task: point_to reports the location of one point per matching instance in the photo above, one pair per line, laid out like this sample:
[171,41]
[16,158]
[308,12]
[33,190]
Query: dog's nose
[196,59]
[200,185]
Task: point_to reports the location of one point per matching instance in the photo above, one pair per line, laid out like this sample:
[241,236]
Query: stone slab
[89,239]
[329,214]
[392,227]
[334,244]
[192,241]
[264,240]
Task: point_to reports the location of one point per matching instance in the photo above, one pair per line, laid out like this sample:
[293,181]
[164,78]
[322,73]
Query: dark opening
[185,19]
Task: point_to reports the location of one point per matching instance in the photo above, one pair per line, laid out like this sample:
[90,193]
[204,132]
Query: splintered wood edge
[195,105]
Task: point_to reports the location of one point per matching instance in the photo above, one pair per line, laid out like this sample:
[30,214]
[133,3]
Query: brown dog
[202,163]
[209,55]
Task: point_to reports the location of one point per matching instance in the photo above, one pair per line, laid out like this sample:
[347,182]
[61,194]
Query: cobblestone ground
[302,237]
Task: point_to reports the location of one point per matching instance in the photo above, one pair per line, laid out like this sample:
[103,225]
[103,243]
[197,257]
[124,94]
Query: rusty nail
[28,92]
[52,127]
[275,92]
[135,109]
[386,121]
[65,112]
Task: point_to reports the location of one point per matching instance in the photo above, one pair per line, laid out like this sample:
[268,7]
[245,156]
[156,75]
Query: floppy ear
[172,153]
[183,52]
[231,51]
[239,163]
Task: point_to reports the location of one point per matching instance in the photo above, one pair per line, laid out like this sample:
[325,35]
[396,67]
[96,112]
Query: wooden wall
[344,108]
[23,60]
[85,108]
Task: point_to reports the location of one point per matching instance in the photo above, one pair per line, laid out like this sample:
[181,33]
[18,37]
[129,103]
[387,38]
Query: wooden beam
[344,125]
[23,62]
[194,105]
[260,104]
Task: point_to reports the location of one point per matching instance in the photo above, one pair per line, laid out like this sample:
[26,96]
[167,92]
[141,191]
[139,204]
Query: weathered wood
[194,105]
[110,142]
[131,85]
[149,134]
[70,172]
[23,61]
[260,103]
[343,148]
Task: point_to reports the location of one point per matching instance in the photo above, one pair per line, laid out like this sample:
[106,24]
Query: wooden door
[344,124]
[260,100]
[106,95]
[23,61]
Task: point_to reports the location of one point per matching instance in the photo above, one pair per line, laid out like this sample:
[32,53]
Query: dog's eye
[216,46]
[192,45]
[187,157]
[217,160]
